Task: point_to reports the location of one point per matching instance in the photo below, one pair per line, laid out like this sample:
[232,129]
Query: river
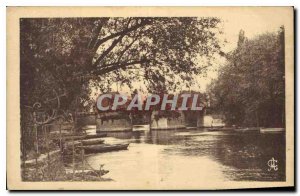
[179,156]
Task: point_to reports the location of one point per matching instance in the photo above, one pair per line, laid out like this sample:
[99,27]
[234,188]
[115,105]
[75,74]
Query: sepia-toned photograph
[150,98]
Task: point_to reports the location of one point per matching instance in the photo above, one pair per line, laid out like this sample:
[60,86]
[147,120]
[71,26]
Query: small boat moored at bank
[191,128]
[92,141]
[98,135]
[254,129]
[145,128]
[104,148]
[271,130]
[220,129]
[213,129]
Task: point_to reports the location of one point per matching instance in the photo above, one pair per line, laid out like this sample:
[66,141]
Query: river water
[183,155]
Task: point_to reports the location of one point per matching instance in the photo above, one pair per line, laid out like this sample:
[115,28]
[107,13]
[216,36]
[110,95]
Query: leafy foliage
[250,89]
[74,55]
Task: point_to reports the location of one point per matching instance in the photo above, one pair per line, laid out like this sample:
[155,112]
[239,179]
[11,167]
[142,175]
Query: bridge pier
[113,121]
[165,122]
[194,118]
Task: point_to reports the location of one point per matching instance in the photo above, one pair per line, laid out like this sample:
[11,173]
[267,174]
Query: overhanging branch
[124,32]
[115,66]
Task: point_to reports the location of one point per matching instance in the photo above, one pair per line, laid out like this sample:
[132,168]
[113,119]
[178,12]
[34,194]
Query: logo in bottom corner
[272,163]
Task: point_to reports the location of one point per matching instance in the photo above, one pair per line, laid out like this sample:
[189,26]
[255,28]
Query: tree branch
[115,66]
[124,32]
[110,48]
[125,49]
[96,33]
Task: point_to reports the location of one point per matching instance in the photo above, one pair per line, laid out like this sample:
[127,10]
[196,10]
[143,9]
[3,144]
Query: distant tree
[250,89]
[74,55]
[241,39]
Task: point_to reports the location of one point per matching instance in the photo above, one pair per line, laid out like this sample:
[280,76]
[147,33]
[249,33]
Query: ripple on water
[151,163]
[178,156]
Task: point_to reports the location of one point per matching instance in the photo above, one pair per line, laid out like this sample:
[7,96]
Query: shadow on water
[245,155]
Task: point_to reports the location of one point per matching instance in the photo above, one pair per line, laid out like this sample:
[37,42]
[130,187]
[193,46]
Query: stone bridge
[120,121]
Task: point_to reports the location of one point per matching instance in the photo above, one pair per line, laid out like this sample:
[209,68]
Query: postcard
[150,98]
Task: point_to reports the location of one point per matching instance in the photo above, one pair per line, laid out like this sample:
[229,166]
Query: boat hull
[220,129]
[92,141]
[141,128]
[104,148]
[98,135]
[254,129]
[271,130]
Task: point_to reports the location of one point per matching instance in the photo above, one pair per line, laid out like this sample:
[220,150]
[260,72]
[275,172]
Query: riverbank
[67,163]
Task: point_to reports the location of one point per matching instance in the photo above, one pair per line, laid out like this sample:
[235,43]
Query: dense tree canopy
[250,89]
[71,55]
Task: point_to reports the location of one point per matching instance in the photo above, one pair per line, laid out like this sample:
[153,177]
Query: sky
[252,23]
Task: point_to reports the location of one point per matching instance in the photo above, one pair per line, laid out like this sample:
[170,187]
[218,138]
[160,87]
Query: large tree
[74,55]
[250,89]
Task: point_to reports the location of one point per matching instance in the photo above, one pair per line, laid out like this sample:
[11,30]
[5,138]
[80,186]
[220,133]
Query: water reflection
[179,155]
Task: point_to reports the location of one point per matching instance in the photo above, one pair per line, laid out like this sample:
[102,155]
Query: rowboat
[247,129]
[79,173]
[271,130]
[141,128]
[88,127]
[90,175]
[92,141]
[213,129]
[220,129]
[191,128]
[98,135]
[73,137]
[104,148]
